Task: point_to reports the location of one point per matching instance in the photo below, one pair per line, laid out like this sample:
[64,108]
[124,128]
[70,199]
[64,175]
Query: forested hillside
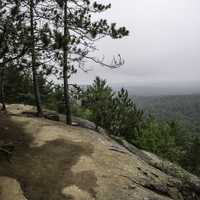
[183,108]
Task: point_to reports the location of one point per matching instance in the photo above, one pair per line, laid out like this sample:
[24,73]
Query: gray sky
[163,46]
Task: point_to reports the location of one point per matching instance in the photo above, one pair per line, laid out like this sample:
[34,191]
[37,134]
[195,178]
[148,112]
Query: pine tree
[12,40]
[77,41]
[33,60]
[98,98]
[65,66]
[127,119]
[36,18]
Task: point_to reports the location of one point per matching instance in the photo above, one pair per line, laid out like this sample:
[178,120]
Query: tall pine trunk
[66,69]
[2,94]
[33,62]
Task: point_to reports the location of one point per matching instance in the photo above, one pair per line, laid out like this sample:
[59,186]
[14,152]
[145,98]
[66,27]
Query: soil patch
[44,171]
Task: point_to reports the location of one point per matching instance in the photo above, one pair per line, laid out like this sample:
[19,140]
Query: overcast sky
[163,46]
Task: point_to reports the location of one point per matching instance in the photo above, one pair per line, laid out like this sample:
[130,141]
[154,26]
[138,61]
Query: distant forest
[182,108]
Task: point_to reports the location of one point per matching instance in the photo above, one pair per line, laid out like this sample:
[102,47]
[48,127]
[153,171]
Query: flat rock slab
[10,189]
[60,162]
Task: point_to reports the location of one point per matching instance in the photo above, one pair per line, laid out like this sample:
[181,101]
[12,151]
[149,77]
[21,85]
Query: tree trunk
[34,68]
[2,94]
[66,69]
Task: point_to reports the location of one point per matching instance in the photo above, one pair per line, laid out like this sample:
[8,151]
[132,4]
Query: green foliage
[83,31]
[191,160]
[54,99]
[118,114]
[22,92]
[13,33]
[184,108]
[126,119]
[77,38]
[66,35]
[160,138]
[81,112]
[98,99]
[115,112]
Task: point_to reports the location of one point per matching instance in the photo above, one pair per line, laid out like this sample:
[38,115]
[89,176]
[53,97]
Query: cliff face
[56,162]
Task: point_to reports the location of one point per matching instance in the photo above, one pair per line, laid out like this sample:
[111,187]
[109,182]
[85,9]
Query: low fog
[162,49]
